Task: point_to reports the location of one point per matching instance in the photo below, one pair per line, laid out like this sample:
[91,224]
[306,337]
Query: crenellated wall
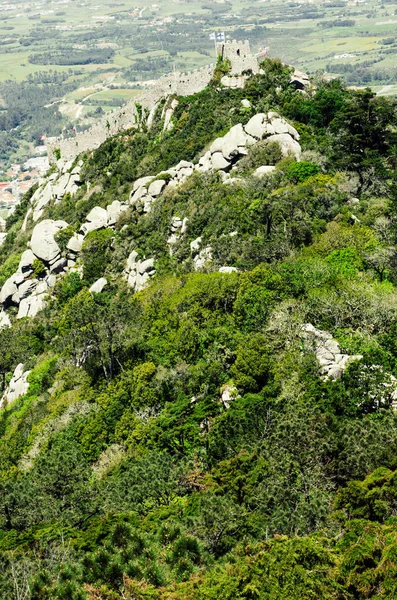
[176,83]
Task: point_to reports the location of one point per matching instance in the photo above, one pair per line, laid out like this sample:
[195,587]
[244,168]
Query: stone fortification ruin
[243,63]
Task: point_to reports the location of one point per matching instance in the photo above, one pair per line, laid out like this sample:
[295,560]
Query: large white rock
[75,243]
[98,216]
[40,199]
[72,185]
[256,126]
[24,290]
[262,171]
[59,265]
[5,320]
[288,145]
[145,265]
[42,243]
[8,290]
[138,194]
[195,244]
[235,142]
[98,286]
[183,164]
[17,387]
[219,162]
[30,306]
[114,211]
[156,187]
[205,164]
[26,262]
[142,182]
[131,261]
[59,186]
[203,258]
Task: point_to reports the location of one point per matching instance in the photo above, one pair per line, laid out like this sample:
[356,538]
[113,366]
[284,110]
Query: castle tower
[240,56]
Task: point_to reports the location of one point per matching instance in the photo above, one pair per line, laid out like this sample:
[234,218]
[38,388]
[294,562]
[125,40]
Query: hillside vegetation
[181,443]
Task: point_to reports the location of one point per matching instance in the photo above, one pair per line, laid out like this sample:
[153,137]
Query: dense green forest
[123,474]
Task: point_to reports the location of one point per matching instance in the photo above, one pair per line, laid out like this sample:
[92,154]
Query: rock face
[18,386]
[75,243]
[43,244]
[330,358]
[30,306]
[288,145]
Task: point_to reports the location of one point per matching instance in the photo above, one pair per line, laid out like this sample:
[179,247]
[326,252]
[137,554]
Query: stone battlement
[176,83]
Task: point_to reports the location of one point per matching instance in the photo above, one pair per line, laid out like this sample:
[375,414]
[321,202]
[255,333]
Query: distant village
[19,178]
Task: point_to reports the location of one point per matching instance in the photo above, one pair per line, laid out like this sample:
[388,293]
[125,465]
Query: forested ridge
[124,472]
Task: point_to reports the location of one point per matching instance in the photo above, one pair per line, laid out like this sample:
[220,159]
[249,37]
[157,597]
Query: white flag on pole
[219,36]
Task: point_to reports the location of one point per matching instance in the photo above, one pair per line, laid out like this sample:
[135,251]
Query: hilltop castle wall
[180,84]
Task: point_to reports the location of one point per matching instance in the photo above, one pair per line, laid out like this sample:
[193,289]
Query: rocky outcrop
[331,360]
[178,229]
[168,114]
[17,387]
[147,189]
[114,212]
[29,293]
[223,153]
[300,80]
[55,187]
[138,272]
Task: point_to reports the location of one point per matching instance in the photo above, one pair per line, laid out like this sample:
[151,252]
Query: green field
[123,94]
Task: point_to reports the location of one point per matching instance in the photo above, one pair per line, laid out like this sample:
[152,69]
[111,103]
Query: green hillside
[194,440]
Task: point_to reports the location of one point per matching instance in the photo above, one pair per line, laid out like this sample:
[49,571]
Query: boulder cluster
[55,187]
[331,360]
[223,153]
[178,229]
[226,150]
[28,287]
[138,272]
